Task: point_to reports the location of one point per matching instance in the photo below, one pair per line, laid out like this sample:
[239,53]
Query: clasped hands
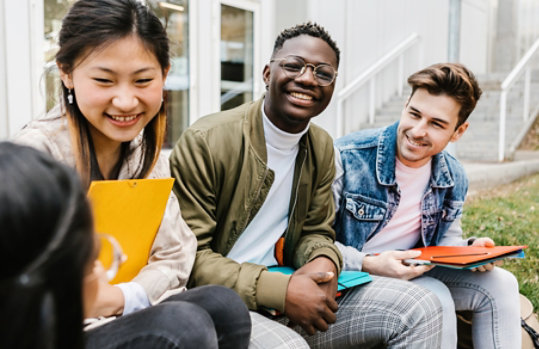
[310,297]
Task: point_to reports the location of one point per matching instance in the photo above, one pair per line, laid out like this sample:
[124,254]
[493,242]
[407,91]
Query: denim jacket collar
[385,162]
[385,156]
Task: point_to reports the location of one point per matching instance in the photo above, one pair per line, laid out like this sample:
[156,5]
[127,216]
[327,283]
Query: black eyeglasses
[111,254]
[295,66]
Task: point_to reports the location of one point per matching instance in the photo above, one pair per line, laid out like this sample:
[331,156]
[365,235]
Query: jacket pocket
[363,208]
[452,210]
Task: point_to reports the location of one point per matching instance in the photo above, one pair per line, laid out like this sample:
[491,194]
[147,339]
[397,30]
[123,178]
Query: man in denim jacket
[396,188]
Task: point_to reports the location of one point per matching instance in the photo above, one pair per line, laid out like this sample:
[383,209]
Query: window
[175,17]
[54,11]
[236,56]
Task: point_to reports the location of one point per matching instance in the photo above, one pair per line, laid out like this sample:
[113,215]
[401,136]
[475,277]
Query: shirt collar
[278,138]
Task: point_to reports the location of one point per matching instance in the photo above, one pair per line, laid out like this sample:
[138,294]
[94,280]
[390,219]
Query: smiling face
[118,89]
[291,103]
[426,126]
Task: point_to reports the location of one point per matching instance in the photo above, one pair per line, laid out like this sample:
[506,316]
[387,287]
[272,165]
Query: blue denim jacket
[367,194]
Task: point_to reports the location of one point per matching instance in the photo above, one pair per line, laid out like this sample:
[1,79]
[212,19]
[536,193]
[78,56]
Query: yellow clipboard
[131,211]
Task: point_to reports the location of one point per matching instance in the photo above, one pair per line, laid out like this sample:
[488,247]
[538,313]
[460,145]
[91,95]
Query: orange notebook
[465,257]
[131,211]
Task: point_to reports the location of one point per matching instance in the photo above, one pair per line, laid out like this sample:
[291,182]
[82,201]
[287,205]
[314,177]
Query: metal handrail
[369,76]
[521,67]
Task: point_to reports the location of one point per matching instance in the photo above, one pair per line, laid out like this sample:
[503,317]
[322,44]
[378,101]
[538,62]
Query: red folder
[465,257]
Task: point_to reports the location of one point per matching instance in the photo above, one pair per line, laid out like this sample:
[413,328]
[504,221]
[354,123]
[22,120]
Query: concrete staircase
[480,142]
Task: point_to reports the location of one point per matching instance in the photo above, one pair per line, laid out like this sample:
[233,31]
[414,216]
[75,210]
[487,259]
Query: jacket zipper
[295,200]
[266,171]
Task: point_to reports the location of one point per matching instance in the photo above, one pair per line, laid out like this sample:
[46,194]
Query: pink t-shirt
[403,230]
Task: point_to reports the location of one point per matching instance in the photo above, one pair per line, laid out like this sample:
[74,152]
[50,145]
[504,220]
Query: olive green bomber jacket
[222,180]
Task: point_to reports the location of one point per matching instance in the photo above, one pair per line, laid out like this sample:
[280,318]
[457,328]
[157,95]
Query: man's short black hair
[309,28]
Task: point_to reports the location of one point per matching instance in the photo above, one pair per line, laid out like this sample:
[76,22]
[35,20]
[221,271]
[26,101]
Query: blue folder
[347,279]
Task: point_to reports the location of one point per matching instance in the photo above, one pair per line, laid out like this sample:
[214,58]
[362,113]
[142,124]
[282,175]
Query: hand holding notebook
[130,211]
[464,257]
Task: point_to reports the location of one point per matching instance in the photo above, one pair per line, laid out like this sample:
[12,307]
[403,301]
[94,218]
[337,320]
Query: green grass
[510,216]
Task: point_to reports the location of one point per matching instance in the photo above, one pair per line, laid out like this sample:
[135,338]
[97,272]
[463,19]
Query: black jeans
[203,317]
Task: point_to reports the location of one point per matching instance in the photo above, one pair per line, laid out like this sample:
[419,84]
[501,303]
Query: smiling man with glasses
[254,185]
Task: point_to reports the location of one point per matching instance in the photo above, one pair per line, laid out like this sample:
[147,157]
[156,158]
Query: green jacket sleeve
[196,186]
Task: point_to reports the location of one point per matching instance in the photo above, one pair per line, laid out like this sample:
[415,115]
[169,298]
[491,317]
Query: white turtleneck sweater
[257,243]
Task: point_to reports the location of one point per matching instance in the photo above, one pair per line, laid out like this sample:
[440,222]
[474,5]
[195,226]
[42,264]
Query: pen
[461,255]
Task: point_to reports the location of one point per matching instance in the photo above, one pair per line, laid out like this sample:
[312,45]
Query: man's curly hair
[308,28]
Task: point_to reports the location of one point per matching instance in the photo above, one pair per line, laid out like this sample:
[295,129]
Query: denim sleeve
[352,257]
[453,236]
[135,297]
[337,185]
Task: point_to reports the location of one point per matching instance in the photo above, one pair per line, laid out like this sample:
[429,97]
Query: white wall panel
[289,13]
[370,29]
[23,25]
[204,56]
[366,30]
[3,85]
[18,64]
[474,35]
[268,34]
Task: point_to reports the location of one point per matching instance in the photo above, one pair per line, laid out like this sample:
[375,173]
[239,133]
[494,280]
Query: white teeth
[301,96]
[414,143]
[123,118]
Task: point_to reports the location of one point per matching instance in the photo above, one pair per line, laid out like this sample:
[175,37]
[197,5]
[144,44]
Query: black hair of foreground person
[46,245]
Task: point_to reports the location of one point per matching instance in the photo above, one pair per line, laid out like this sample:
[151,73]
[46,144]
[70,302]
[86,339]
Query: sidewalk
[489,175]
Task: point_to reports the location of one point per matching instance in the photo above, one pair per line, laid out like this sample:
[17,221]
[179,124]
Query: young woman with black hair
[46,250]
[113,61]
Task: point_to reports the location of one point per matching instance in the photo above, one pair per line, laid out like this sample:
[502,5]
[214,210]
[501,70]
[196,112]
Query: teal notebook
[347,279]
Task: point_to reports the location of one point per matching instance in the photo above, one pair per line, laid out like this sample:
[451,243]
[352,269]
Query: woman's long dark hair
[46,247]
[89,25]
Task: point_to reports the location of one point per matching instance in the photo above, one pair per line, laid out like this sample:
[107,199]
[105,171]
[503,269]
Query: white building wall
[289,13]
[23,95]
[527,25]
[475,38]
[3,82]
[366,30]
[204,71]
[268,34]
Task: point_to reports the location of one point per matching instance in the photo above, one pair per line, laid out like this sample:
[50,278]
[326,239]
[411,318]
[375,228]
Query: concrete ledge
[488,175]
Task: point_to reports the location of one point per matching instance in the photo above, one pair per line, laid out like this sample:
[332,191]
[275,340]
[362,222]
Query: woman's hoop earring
[70,96]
